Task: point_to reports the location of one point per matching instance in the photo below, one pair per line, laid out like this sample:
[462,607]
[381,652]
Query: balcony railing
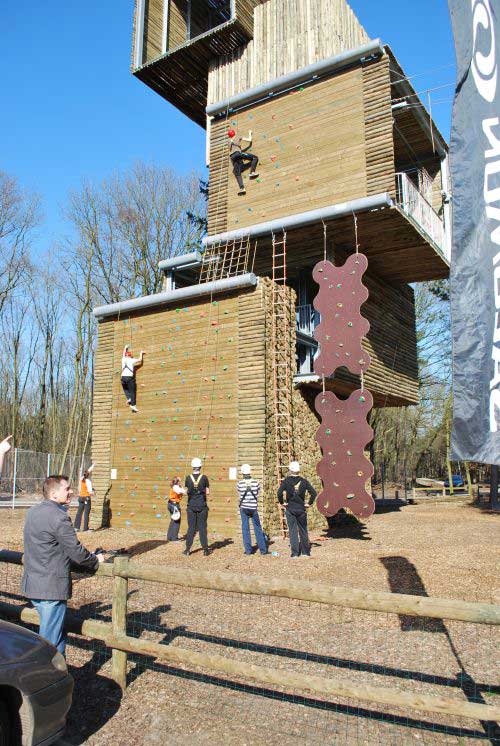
[307,319]
[414,204]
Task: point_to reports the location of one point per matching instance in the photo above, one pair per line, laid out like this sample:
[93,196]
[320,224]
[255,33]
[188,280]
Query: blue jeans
[246,514]
[52,614]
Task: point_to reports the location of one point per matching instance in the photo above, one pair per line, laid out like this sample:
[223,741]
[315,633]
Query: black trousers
[174,526]
[197,521]
[297,530]
[84,505]
[242,161]
[130,389]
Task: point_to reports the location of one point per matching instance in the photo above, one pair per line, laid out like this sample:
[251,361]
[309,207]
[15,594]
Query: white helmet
[246,470]
[196,463]
[294,467]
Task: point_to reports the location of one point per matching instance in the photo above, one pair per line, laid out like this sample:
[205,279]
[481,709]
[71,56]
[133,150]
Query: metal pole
[494,502]
[48,464]
[14,480]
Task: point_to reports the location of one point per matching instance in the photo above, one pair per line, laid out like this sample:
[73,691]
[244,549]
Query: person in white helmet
[292,494]
[197,486]
[248,493]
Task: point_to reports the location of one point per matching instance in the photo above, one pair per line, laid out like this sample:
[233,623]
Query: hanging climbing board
[341,294]
[344,433]
[223,259]
[344,468]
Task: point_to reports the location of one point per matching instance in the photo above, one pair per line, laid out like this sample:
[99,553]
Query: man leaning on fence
[50,546]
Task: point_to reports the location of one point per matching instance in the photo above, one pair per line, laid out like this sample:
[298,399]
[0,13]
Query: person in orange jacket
[174,508]
[84,500]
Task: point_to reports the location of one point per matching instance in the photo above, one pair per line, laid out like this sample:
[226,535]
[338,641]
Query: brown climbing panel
[344,468]
[341,294]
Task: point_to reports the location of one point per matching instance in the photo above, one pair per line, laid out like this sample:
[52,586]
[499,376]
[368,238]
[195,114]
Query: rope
[356,231]
[324,240]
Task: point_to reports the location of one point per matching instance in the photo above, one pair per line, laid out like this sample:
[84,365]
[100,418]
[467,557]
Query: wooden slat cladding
[380,170]
[219,177]
[102,415]
[397,252]
[287,35]
[181,76]
[251,387]
[153,29]
[311,150]
[177,24]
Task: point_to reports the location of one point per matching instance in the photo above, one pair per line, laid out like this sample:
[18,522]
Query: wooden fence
[115,637]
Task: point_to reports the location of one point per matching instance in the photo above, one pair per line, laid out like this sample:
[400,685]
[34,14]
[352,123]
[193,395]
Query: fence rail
[115,636]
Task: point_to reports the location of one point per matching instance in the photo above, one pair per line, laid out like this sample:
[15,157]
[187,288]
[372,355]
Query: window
[189,19]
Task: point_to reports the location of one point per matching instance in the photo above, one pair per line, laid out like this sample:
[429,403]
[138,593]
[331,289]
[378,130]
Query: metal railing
[24,472]
[416,207]
[307,319]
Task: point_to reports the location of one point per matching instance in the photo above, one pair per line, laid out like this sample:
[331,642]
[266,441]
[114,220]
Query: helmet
[294,467]
[196,463]
[245,469]
[128,353]
[231,133]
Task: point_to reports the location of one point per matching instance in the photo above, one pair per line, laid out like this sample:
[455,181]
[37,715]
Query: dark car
[35,688]
[456,479]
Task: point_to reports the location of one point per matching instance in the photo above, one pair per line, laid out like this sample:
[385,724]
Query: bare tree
[19,216]
[130,222]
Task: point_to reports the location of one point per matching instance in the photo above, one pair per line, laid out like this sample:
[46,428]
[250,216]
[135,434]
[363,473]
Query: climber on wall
[241,158]
[129,385]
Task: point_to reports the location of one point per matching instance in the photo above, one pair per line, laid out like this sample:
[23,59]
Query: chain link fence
[24,472]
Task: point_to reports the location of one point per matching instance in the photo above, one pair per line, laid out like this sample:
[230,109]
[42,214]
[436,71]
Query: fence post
[119,621]
[14,480]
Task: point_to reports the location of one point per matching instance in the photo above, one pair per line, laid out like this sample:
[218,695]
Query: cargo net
[223,259]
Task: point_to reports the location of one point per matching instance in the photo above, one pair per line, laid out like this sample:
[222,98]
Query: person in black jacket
[197,486]
[50,547]
[292,494]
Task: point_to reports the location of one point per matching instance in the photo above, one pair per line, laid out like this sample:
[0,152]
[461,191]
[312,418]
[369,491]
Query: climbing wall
[311,146]
[188,406]
[344,432]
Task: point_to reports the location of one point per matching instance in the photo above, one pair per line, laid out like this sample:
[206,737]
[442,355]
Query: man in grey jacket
[50,546]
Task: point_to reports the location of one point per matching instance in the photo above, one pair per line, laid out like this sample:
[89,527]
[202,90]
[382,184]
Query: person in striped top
[248,493]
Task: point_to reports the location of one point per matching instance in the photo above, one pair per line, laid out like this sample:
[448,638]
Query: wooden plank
[277,677]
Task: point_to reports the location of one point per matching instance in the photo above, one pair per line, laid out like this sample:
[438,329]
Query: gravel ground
[447,549]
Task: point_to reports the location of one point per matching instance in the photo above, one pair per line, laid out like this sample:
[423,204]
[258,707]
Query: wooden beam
[272,676]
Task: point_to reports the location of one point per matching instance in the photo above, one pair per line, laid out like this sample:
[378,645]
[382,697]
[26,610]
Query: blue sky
[72,110]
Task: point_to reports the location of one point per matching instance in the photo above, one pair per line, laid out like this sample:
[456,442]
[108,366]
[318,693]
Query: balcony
[419,211]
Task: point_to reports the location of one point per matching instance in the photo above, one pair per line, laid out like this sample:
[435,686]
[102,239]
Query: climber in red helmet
[241,158]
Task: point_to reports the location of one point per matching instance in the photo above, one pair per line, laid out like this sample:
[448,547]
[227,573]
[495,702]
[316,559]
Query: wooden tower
[348,157]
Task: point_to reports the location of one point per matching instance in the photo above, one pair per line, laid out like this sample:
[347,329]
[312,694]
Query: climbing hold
[274,158]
